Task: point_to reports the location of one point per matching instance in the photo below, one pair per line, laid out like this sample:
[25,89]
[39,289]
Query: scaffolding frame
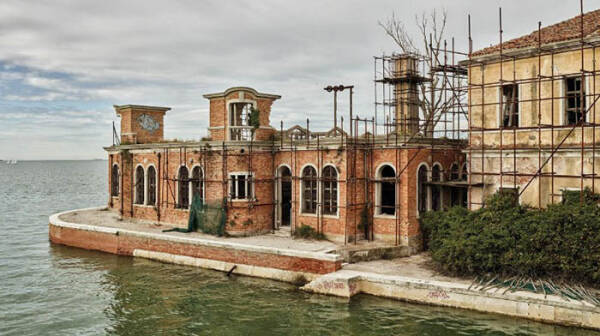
[562,137]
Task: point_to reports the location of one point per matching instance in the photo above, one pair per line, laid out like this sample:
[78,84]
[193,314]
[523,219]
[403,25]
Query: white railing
[243,133]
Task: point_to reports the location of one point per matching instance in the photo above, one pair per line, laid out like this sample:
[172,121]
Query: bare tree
[432,27]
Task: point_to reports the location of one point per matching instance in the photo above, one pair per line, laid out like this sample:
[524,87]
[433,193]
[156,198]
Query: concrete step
[354,254]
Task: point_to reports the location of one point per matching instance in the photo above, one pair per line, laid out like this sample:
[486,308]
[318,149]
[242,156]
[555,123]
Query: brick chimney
[407,78]
[141,124]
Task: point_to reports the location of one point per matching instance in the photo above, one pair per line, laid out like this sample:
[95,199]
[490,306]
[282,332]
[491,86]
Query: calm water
[54,290]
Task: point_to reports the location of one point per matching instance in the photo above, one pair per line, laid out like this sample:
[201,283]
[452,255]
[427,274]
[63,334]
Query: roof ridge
[564,30]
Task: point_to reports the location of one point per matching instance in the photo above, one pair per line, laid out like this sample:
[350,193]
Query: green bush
[307,232]
[561,242]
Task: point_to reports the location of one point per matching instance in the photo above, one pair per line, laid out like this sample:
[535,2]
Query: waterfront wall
[549,309]
[125,242]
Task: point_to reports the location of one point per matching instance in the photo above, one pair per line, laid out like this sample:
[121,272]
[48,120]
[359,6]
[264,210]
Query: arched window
[464,172]
[139,185]
[183,188]
[386,193]
[422,189]
[309,190]
[151,197]
[330,190]
[436,190]
[454,174]
[114,181]
[198,182]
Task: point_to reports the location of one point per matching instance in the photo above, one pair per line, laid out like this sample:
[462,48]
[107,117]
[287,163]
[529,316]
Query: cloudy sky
[63,64]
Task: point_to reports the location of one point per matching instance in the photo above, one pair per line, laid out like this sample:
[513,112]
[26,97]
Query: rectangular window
[240,186]
[575,101]
[510,105]
[239,127]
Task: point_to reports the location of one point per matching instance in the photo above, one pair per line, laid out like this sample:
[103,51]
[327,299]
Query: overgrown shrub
[307,232]
[560,242]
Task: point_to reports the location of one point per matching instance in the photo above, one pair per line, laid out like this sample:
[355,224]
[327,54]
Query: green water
[56,290]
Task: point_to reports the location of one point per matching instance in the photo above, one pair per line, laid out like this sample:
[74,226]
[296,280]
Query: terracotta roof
[563,31]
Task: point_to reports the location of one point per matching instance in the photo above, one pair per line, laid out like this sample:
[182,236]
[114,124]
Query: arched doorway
[284,193]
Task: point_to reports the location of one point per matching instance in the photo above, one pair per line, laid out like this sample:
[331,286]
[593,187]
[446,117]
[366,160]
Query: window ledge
[307,214]
[241,200]
[144,205]
[384,216]
[331,216]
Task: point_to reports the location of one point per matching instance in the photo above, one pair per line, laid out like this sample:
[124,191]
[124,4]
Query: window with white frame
[151,194]
[139,185]
[329,190]
[239,121]
[386,191]
[241,186]
[309,190]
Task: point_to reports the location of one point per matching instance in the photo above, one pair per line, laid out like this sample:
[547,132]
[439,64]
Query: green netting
[205,217]
[208,217]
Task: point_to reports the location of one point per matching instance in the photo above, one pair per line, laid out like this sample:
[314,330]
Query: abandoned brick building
[346,185]
[519,115]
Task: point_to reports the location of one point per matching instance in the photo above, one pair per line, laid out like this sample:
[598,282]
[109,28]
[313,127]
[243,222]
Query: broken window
[329,191]
[309,190]
[151,198]
[114,181]
[436,189]
[183,188]
[575,105]
[422,189]
[198,182]
[387,191]
[240,186]
[510,105]
[139,185]
[239,127]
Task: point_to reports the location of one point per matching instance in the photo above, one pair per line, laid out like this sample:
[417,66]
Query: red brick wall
[130,125]
[244,217]
[220,118]
[124,244]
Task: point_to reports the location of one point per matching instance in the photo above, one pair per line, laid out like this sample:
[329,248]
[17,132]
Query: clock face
[148,123]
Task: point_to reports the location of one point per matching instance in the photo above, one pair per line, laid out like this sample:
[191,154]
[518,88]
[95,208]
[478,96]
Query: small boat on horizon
[11,161]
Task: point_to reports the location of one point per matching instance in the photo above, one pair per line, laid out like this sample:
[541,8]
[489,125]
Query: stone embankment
[285,259]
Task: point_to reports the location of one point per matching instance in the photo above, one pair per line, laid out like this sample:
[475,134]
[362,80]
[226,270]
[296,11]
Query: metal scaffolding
[509,171]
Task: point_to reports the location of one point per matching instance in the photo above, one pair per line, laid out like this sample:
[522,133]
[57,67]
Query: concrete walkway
[108,218]
[414,279]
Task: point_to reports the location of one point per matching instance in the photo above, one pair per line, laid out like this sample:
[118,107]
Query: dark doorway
[286,196]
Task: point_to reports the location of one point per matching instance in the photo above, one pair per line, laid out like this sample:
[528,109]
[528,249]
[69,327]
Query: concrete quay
[317,264]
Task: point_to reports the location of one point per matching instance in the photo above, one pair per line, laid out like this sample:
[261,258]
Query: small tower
[406,80]
[230,112]
[141,124]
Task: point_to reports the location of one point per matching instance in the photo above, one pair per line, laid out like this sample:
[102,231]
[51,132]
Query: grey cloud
[172,52]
